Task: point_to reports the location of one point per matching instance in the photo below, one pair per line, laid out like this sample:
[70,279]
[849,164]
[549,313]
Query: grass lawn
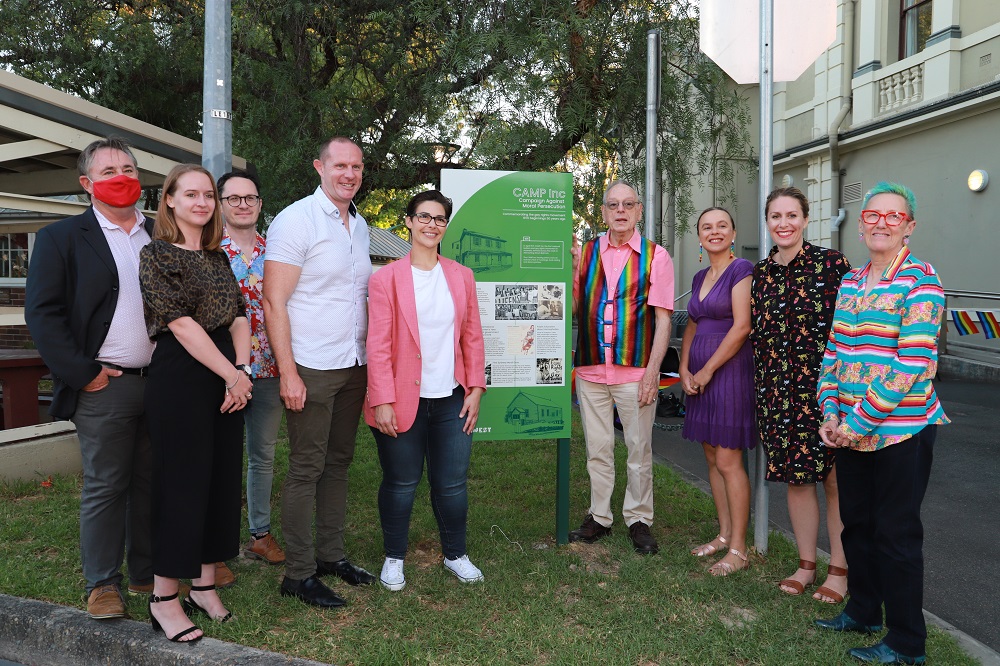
[540,604]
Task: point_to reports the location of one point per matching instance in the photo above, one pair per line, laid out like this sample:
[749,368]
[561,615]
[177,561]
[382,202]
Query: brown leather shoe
[590,531]
[105,602]
[642,539]
[224,577]
[265,548]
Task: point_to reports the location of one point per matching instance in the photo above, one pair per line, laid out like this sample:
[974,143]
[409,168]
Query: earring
[861,236]
[701,252]
[732,249]
[906,240]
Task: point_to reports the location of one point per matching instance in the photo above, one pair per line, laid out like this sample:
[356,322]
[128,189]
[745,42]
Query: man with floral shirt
[241,205]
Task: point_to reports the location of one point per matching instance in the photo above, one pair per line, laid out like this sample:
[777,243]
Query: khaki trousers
[321,448]
[597,402]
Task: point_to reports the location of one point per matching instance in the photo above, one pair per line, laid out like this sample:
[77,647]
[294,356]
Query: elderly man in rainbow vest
[623,294]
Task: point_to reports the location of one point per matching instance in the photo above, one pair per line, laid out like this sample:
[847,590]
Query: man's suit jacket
[394,359]
[71,295]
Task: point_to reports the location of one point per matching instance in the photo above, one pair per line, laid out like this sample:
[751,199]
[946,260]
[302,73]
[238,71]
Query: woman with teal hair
[881,411]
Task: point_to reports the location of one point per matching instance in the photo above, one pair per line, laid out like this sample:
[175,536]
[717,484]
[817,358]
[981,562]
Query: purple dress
[723,415]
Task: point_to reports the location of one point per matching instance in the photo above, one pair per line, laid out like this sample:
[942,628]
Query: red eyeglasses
[892,219]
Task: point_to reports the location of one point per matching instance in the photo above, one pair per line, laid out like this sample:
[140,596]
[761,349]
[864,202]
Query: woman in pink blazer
[424,307]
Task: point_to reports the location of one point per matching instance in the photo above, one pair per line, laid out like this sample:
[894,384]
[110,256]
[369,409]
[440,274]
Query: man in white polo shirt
[315,310]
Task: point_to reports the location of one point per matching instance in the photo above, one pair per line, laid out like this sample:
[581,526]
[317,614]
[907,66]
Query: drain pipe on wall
[836,196]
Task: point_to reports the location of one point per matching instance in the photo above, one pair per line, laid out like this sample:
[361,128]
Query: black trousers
[197,460]
[880,496]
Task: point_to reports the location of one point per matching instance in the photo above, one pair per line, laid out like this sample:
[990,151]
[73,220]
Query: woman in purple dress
[716,372]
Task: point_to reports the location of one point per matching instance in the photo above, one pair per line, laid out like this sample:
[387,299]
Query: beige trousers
[597,402]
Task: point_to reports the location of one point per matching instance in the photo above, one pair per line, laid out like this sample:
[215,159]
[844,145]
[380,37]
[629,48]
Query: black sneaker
[642,539]
[590,531]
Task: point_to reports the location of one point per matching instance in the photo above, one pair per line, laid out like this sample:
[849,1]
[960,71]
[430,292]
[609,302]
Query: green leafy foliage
[421,84]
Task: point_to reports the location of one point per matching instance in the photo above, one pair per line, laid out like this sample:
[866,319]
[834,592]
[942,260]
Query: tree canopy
[421,85]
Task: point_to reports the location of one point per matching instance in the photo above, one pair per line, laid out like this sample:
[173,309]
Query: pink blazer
[394,360]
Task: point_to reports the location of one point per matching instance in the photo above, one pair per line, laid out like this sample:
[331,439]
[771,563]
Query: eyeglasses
[427,218]
[627,205]
[235,199]
[892,219]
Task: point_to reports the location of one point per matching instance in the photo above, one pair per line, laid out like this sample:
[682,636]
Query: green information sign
[513,229]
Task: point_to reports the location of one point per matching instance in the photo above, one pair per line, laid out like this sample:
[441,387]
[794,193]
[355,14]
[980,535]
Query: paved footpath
[961,588]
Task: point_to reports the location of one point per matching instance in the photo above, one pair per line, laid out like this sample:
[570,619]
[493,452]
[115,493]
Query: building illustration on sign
[531,413]
[481,252]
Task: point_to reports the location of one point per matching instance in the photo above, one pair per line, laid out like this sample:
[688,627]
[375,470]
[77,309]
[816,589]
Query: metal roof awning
[43,131]
[385,244]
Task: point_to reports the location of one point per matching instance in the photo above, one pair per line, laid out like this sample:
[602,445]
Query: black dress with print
[791,312]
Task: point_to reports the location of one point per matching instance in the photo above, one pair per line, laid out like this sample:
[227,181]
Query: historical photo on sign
[523,332]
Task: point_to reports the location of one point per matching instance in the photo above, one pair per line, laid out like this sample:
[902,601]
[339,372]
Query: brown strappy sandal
[796,585]
[823,590]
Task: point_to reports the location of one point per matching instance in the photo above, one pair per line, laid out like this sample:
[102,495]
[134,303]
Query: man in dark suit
[83,307]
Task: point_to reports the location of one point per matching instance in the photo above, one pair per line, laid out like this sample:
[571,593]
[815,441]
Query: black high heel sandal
[192,605]
[176,638]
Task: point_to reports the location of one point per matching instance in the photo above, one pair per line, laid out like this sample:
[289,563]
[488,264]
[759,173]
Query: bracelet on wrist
[235,381]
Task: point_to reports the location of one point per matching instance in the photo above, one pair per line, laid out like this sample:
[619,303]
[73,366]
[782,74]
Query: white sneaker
[392,577]
[464,570]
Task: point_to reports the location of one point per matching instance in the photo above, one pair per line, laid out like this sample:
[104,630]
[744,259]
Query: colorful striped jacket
[881,354]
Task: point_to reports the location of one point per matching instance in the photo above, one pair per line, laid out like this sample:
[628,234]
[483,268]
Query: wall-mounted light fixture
[978,180]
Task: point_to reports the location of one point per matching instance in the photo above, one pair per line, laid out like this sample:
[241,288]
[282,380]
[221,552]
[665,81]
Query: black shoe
[346,571]
[845,622]
[312,591]
[642,538]
[590,531]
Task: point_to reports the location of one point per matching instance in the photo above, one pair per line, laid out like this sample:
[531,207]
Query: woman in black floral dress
[792,299]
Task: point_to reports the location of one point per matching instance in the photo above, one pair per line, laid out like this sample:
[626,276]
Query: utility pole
[217,120]
[652,198]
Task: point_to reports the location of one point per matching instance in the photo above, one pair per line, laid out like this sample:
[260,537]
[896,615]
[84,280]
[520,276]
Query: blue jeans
[436,435]
[262,418]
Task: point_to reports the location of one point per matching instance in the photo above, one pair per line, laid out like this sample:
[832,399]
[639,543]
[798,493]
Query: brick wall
[12,297]
[13,337]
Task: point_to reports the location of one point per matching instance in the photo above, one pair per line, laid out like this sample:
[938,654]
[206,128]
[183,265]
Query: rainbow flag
[991,328]
[963,322]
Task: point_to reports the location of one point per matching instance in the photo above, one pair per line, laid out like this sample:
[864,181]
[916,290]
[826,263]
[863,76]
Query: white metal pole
[217,128]
[652,195]
[764,241]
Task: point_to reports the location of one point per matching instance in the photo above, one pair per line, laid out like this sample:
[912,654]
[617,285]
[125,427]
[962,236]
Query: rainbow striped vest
[633,321]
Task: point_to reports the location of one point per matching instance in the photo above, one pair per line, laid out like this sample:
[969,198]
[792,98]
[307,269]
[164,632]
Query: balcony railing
[901,89]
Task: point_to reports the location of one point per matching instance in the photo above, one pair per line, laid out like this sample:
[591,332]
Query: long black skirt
[197,460]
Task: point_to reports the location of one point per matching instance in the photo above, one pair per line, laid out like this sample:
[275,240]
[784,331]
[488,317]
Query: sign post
[804,30]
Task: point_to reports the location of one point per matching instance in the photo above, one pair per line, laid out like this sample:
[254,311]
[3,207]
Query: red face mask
[119,192]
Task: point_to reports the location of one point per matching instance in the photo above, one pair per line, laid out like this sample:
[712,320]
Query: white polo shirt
[328,310]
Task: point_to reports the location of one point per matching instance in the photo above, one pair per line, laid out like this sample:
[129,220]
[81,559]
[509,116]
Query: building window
[914,26]
[13,256]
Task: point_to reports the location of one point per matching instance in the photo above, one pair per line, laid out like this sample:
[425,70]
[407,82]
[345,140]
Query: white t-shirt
[328,310]
[436,324]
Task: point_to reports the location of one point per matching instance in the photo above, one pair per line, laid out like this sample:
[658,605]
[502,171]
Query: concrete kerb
[986,655]
[36,632]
